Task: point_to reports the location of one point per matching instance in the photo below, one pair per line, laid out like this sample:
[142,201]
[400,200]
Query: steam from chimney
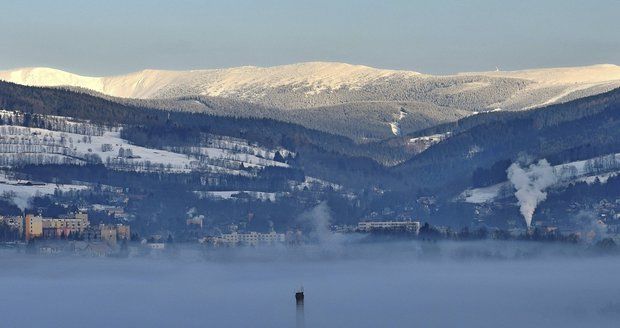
[318,219]
[317,222]
[530,183]
[22,203]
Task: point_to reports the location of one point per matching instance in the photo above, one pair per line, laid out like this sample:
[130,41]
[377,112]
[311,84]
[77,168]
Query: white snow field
[21,192]
[223,155]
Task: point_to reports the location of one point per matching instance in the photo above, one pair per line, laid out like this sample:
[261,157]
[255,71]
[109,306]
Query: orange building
[37,226]
[33,226]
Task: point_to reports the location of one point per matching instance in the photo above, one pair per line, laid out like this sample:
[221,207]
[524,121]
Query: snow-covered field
[601,178]
[24,145]
[233,155]
[434,138]
[309,183]
[483,195]
[20,140]
[314,183]
[420,144]
[260,195]
[21,192]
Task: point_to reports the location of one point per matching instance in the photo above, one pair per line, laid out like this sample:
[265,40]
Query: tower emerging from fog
[299,300]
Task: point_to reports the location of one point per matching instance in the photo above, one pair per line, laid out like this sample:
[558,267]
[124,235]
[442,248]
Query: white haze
[530,183]
[317,221]
[409,284]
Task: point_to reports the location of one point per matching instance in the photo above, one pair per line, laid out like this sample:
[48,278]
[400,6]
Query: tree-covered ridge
[569,131]
[576,130]
[320,154]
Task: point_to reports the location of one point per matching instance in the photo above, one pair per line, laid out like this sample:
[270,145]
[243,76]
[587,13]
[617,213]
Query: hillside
[64,150]
[84,151]
[157,128]
[576,130]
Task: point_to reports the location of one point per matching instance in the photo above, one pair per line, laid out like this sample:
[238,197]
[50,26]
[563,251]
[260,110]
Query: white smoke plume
[191,214]
[22,201]
[317,222]
[530,183]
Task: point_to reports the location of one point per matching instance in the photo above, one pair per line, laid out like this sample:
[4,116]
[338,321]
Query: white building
[250,238]
[156,246]
[409,225]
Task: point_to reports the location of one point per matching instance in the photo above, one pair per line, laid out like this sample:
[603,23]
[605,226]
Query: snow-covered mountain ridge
[360,102]
[251,83]
[319,76]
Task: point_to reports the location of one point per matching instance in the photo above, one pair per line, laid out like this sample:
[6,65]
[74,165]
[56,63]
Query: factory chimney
[299,301]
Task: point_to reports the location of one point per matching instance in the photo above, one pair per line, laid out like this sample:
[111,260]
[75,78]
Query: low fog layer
[474,284]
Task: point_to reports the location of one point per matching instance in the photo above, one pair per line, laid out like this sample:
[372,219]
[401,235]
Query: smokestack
[530,183]
[299,301]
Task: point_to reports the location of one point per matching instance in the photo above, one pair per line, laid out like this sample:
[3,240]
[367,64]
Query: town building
[14,222]
[92,233]
[123,232]
[156,245]
[408,225]
[196,222]
[108,233]
[251,238]
[294,237]
[33,226]
[112,233]
[36,226]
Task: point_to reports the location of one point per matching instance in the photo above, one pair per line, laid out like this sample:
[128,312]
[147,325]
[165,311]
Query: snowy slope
[315,78]
[318,76]
[21,193]
[17,142]
[78,143]
[565,80]
[360,102]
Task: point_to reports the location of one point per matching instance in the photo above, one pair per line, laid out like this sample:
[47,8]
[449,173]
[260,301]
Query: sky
[435,37]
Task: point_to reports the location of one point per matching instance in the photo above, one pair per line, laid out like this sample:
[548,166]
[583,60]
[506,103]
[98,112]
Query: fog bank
[486,284]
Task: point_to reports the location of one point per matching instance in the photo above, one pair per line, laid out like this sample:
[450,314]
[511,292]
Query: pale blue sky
[118,36]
